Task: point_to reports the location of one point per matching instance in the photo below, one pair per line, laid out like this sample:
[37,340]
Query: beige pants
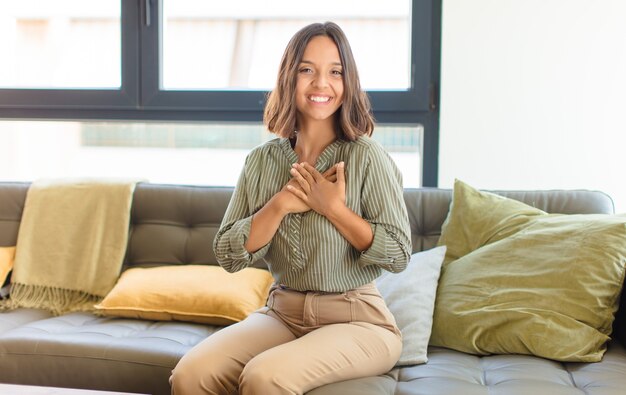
[300,341]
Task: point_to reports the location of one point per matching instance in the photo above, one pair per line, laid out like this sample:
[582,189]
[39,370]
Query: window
[182,62]
[62,44]
[67,55]
[194,153]
[253,37]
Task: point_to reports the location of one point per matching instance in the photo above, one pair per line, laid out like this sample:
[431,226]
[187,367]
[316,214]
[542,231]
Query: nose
[320,81]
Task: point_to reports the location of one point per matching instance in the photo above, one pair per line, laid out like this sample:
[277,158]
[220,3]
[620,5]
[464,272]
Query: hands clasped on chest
[311,190]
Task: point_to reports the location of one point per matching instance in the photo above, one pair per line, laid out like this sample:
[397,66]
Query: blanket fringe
[57,300]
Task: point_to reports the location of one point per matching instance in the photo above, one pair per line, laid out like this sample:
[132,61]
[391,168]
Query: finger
[298,193]
[331,174]
[304,184]
[341,175]
[316,174]
[294,183]
[304,173]
[331,171]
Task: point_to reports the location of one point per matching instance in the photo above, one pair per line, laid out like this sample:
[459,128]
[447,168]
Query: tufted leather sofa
[175,225]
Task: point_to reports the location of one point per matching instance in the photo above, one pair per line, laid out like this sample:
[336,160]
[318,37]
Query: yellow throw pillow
[7,256]
[530,283]
[194,293]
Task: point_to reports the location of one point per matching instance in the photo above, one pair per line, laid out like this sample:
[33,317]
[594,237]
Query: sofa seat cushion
[12,319]
[110,353]
[453,372]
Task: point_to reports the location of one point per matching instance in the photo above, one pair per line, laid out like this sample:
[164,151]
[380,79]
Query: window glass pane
[173,153]
[60,44]
[238,44]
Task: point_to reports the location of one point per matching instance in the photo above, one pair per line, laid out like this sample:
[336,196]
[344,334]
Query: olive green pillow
[519,281]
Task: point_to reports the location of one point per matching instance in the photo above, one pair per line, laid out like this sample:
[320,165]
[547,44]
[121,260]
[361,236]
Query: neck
[311,142]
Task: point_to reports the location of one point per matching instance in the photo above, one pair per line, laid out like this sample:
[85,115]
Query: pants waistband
[368,286]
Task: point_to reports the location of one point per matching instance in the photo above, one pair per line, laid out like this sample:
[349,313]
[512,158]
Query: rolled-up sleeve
[383,206]
[229,243]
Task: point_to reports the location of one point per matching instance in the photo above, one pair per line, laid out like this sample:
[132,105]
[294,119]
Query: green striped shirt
[307,252]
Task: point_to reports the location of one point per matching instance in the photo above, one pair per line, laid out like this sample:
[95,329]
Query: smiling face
[319,86]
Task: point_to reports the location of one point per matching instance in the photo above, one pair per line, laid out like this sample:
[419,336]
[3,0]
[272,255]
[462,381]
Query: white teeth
[319,99]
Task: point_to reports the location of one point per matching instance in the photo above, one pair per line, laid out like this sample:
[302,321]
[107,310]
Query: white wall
[533,95]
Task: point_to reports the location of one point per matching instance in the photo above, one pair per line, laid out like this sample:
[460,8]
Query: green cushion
[519,281]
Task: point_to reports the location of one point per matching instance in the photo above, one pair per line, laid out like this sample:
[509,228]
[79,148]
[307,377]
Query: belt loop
[309,316]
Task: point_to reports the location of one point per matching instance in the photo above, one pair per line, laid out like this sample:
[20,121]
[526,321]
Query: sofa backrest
[12,197]
[176,224]
[428,208]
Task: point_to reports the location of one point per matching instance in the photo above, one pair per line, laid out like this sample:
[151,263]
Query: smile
[319,99]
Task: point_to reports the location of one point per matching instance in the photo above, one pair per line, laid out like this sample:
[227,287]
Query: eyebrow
[309,62]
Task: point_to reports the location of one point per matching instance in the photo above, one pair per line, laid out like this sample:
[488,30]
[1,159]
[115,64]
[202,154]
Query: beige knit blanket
[71,243]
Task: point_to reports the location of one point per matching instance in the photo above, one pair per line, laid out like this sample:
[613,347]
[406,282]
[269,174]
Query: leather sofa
[175,225]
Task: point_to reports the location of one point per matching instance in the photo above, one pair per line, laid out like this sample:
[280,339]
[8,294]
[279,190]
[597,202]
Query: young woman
[323,206]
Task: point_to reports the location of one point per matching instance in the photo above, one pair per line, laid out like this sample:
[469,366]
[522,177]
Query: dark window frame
[140,96]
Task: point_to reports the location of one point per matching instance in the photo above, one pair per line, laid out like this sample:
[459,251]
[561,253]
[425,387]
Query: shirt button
[226,256]
[294,249]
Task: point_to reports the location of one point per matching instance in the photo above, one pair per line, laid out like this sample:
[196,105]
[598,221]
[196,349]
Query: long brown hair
[354,116]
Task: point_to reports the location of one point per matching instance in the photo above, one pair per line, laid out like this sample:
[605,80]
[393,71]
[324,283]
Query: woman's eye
[306,70]
[337,72]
